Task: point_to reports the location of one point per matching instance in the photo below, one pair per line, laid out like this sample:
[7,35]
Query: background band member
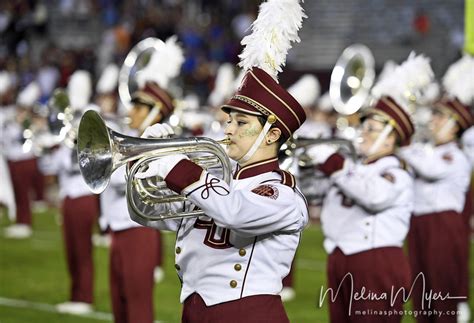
[366,213]
[439,236]
[245,243]
[136,250]
[80,208]
[23,164]
[306,91]
[7,112]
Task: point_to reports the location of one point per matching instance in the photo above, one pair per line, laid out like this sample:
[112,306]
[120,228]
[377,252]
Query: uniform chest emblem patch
[267,190]
[447,157]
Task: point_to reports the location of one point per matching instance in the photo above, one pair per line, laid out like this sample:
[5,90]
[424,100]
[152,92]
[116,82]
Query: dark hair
[281,140]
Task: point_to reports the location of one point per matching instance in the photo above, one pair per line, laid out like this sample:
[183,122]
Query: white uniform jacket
[113,201]
[247,241]
[63,163]
[467,141]
[12,142]
[442,177]
[368,206]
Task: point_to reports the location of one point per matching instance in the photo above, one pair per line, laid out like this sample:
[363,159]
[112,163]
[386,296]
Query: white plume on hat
[407,80]
[165,64]
[108,79]
[275,28]
[306,90]
[387,69]
[5,82]
[29,95]
[224,85]
[430,94]
[79,89]
[191,101]
[238,79]
[324,103]
[458,81]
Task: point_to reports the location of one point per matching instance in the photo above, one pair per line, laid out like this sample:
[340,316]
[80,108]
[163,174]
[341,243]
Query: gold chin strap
[270,120]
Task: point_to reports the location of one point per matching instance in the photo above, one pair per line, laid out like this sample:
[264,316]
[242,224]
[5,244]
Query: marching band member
[236,256]
[7,195]
[467,141]
[106,92]
[107,100]
[222,91]
[439,237]
[306,91]
[325,115]
[136,250]
[366,213]
[153,102]
[22,163]
[80,208]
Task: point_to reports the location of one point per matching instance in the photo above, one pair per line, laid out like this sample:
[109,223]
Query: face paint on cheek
[250,132]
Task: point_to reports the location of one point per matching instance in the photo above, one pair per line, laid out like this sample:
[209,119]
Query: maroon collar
[260,167]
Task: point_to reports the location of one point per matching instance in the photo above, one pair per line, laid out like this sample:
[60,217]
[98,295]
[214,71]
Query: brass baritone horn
[101,151]
[351,79]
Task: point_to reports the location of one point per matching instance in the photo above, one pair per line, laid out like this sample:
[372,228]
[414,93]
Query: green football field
[33,278]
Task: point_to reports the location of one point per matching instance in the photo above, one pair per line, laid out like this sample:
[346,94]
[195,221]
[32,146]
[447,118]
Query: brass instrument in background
[295,157]
[136,59]
[351,79]
[294,152]
[101,151]
[52,125]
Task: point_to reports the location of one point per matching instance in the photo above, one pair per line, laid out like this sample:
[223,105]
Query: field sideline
[33,278]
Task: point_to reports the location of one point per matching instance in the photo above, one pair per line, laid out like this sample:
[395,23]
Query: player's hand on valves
[161,166]
[159,130]
[320,153]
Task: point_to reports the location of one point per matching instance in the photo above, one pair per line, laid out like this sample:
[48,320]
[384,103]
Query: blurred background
[62,36]
[48,40]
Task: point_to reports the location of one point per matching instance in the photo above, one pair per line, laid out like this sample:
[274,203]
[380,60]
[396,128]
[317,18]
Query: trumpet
[101,151]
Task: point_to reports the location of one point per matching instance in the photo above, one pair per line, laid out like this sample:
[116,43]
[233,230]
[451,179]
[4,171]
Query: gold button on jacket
[233,284]
[178,250]
[242,252]
[237,267]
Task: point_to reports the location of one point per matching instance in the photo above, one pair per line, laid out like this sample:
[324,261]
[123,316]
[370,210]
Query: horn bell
[94,151]
[351,79]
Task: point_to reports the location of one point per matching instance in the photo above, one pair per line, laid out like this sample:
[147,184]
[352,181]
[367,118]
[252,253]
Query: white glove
[320,153]
[159,130]
[161,167]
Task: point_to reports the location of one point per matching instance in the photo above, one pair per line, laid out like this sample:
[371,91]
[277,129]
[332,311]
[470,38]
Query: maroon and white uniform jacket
[368,206]
[467,141]
[12,142]
[63,163]
[246,242]
[113,201]
[443,176]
